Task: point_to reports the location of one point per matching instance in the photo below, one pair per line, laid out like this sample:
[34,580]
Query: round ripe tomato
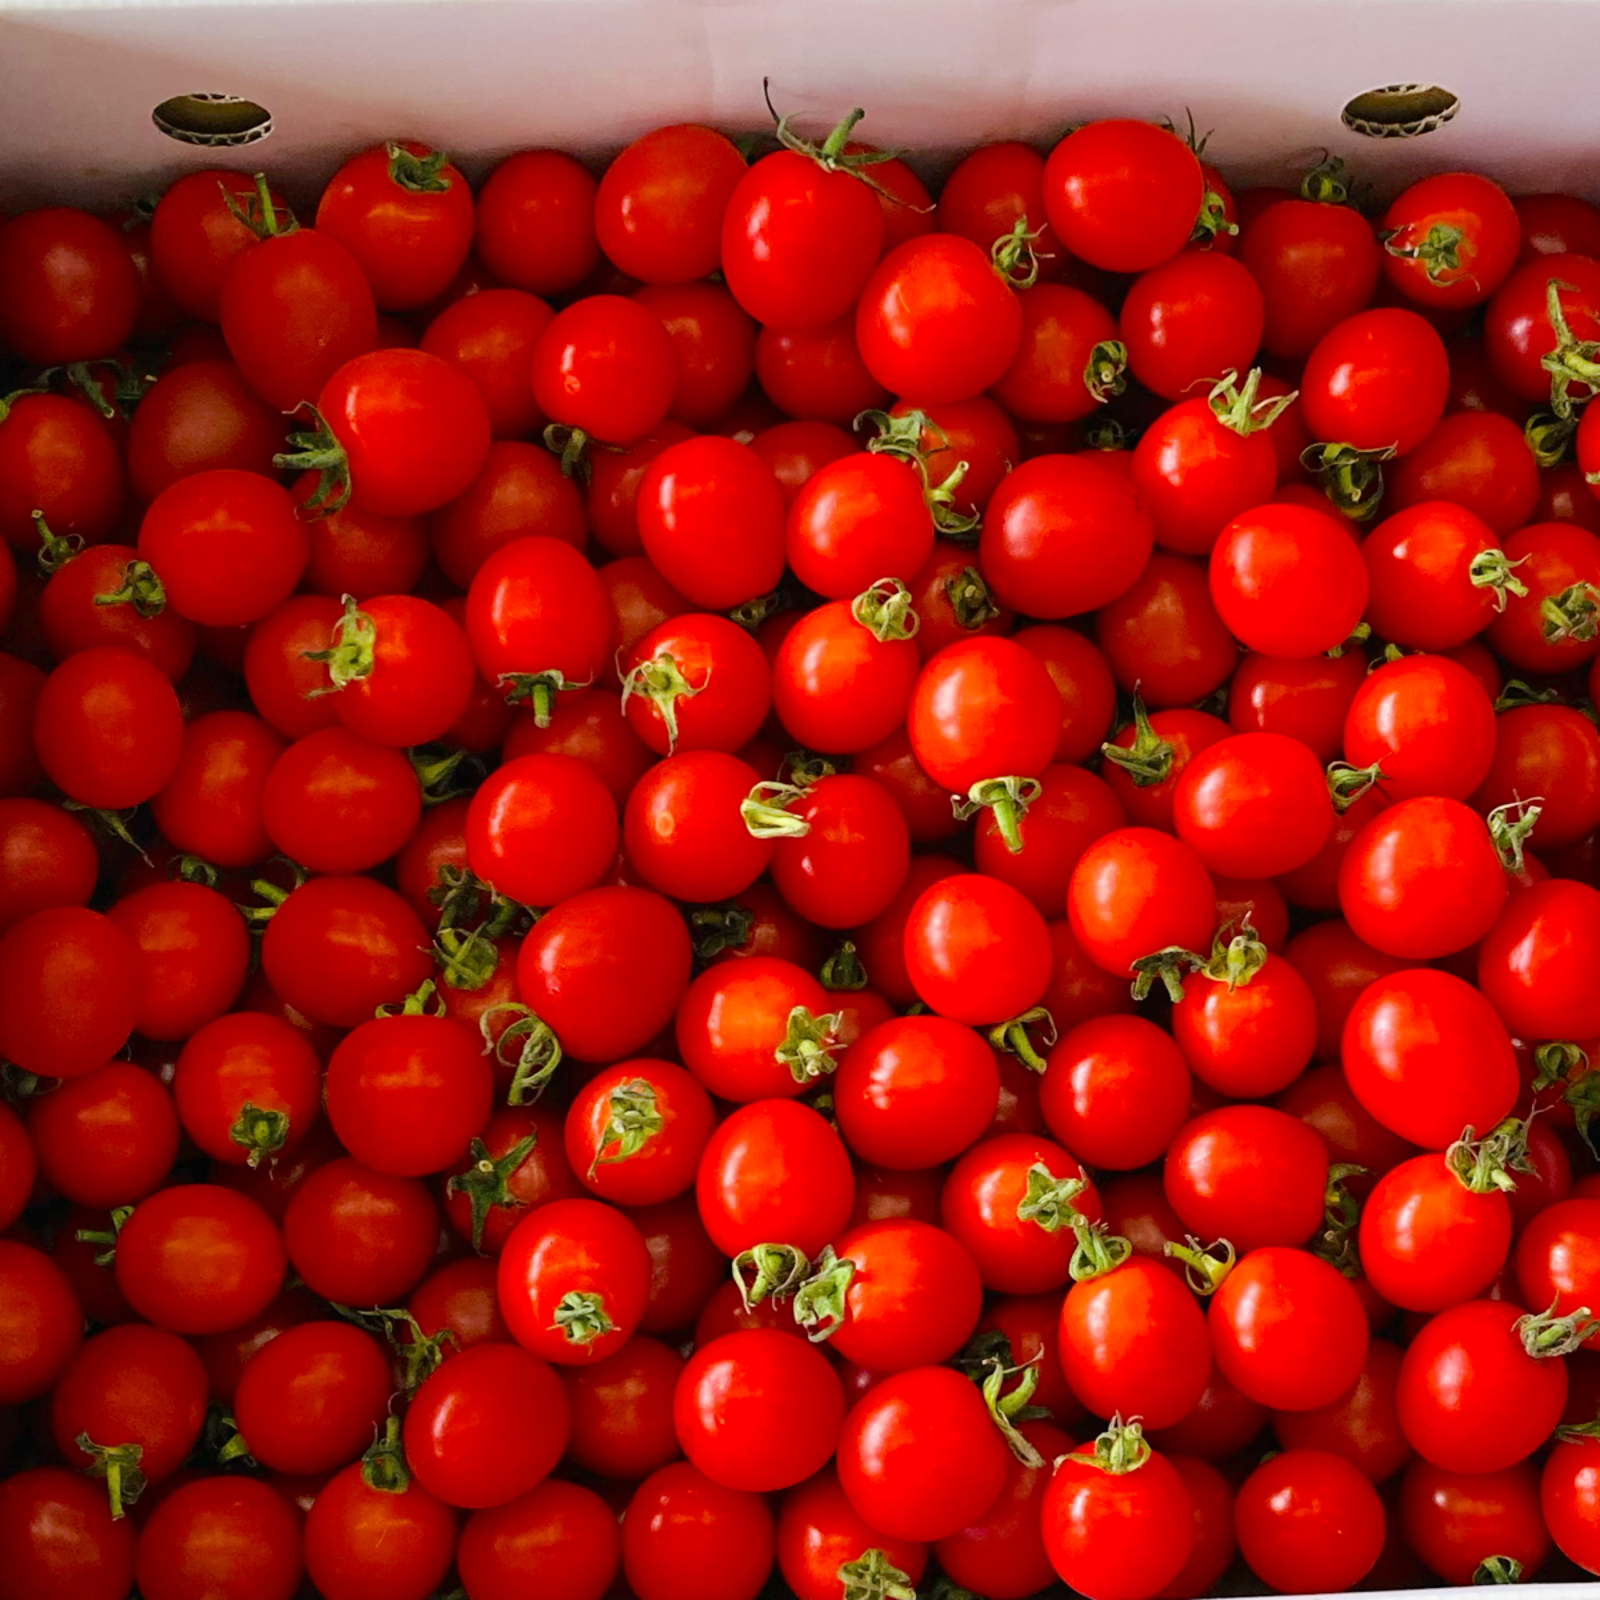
[774,1172]
[1434,1232]
[1287,1330]
[857,521]
[1007,1201]
[517,1165]
[1428,725]
[338,803]
[797,450]
[294,308]
[1435,576]
[1117,1520]
[1247,1174]
[519,492]
[69,991]
[226,545]
[992,190]
[1250,1038]
[78,612]
[247,1086]
[605,366]
[758,1410]
[279,670]
[198,1258]
[20,683]
[1253,805]
[1305,698]
[1072,810]
[1427,1056]
[1457,1522]
[606,970]
[622,1410]
[1029,1326]
[537,621]
[976,950]
[1553,224]
[68,288]
[1287,581]
[1063,535]
[756,1029]
[1362,1426]
[1449,240]
[683,831]
[1063,369]
[1257,901]
[1135,892]
[195,237]
[923,803]
[919,1457]
[359,1237]
[60,1538]
[312,1399]
[1164,635]
[820,1533]
[711,519]
[1471,1396]
[915,1091]
[1552,751]
[58,458]
[194,951]
[1533,962]
[536,222]
[1568,1500]
[713,345]
[339,947]
[687,1538]
[18,1167]
[639,599]
[836,686]
[201,1539]
[489,336]
[405,1093]
[1190,320]
[658,211]
[852,857]
[1422,879]
[1553,627]
[405,213]
[636,1130]
[800,236]
[1480,463]
[105,1139]
[1517,331]
[1123,196]
[1211,1497]
[685,1268]
[615,477]
[573,1280]
[1316,264]
[41,1324]
[698,682]
[975,432]
[937,320]
[107,727]
[1558,1262]
[951,600]
[1115,1090]
[1308,1520]
[587,726]
[1546,1184]
[1225,1422]
[559,1536]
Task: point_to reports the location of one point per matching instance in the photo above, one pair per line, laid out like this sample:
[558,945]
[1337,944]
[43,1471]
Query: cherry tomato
[687,1538]
[820,1533]
[1427,723]
[1479,462]
[1456,1522]
[1316,265]
[1449,240]
[41,1324]
[68,289]
[837,686]
[1363,1426]
[976,950]
[107,1138]
[1306,1520]
[59,460]
[359,1237]
[489,336]
[1248,1038]
[1567,1501]
[360,1535]
[536,222]
[560,1536]
[1115,1090]
[1189,321]
[684,832]
[60,1538]
[1558,1267]
[1135,892]
[1517,331]
[1550,629]
[1164,635]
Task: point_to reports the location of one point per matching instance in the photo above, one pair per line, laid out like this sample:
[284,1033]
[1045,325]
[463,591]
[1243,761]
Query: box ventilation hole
[1400,111]
[214,121]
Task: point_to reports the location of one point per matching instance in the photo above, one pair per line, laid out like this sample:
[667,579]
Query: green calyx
[1009,799]
[661,681]
[55,549]
[970,599]
[1105,372]
[527,1045]
[1359,636]
[423,1001]
[1007,1408]
[1583,1096]
[819,1302]
[1572,363]
[1335,1241]
[769,1272]
[1573,614]
[258,211]
[1484,1165]
[419,1353]
[1510,828]
[1205,1266]
[718,928]
[350,657]
[1240,411]
[1325,183]
[537,690]
[580,1317]
[842,972]
[872,1576]
[570,447]
[808,1043]
[1012,1036]
[118,1464]
[1121,1449]
[902,437]
[1148,759]
[485,1182]
[317,449]
[422,174]
[1014,256]
[632,1120]
[1556,1062]
[1439,250]
[1497,1569]
[766,814]
[106,1238]
[1546,1336]
[831,154]
[1098,1251]
[884,610]
[1108,434]
[1549,437]
[1212,220]
[141,589]
[466,961]
[1048,1201]
[383,1467]
[262,1133]
[444,774]
[1347,784]
[1492,570]
[1352,479]
[750,614]
[464,900]
[1235,958]
[1515,693]
[1168,966]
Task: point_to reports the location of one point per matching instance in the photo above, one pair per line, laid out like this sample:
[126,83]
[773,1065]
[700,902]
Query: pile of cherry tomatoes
[724,877]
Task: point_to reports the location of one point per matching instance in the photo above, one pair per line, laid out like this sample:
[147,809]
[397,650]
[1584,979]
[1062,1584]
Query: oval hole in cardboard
[213,121]
[1400,111]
